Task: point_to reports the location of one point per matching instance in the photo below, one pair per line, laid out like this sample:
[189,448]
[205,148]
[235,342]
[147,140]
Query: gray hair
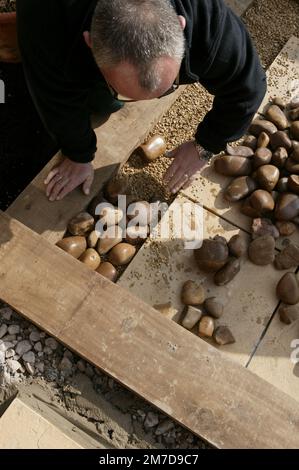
[137,31]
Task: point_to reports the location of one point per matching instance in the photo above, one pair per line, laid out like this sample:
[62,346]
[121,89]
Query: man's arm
[61,103]
[237,80]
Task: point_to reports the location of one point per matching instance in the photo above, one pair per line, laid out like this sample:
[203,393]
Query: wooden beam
[117,139]
[174,370]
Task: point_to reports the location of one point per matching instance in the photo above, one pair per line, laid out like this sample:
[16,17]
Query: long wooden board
[183,376]
[117,139]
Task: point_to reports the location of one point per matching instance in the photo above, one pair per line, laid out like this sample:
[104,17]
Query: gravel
[47,360]
[271,23]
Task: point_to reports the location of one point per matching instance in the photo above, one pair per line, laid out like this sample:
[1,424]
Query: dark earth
[25,147]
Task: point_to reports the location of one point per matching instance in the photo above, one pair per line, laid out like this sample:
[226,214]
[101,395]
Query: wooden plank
[272,360]
[183,376]
[23,428]
[117,139]
[209,186]
[158,271]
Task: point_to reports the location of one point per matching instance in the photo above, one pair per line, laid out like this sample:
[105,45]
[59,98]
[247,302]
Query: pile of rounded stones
[266,179]
[114,244]
[201,314]
[222,260]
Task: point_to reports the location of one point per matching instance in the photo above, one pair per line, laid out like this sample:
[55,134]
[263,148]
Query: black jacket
[61,71]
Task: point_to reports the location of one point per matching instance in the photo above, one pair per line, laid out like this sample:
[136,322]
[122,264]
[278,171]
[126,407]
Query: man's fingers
[52,183]
[175,180]
[189,182]
[51,175]
[171,171]
[65,191]
[180,183]
[57,188]
[87,184]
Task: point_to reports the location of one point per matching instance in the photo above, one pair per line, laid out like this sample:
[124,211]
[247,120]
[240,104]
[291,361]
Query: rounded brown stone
[279,102]
[222,336]
[238,246]
[206,327]
[280,139]
[285,228]
[250,141]
[74,246]
[239,151]
[287,289]
[154,148]
[279,157]
[294,114]
[261,251]
[107,270]
[262,201]
[213,307]
[122,254]
[262,156]
[262,125]
[192,293]
[81,224]
[292,166]
[282,185]
[287,207]
[212,255]
[240,188]
[263,140]
[115,188]
[228,272]
[295,130]
[263,226]
[293,183]
[288,313]
[233,166]
[277,116]
[91,258]
[268,176]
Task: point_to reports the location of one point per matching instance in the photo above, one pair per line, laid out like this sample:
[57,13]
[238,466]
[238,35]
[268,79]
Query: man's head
[138,45]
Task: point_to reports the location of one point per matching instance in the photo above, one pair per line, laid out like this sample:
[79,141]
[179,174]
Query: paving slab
[160,268]
[272,360]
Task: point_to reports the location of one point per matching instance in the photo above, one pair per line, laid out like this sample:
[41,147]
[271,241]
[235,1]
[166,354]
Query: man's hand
[67,176]
[186,163]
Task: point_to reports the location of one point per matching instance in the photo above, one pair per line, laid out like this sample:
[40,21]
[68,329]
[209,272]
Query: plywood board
[208,188]
[158,271]
[172,369]
[117,139]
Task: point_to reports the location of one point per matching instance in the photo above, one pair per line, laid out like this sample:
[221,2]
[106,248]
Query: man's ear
[182,21]
[87,38]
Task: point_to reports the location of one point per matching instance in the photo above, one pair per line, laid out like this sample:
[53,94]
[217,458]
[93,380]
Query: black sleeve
[237,81]
[61,103]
